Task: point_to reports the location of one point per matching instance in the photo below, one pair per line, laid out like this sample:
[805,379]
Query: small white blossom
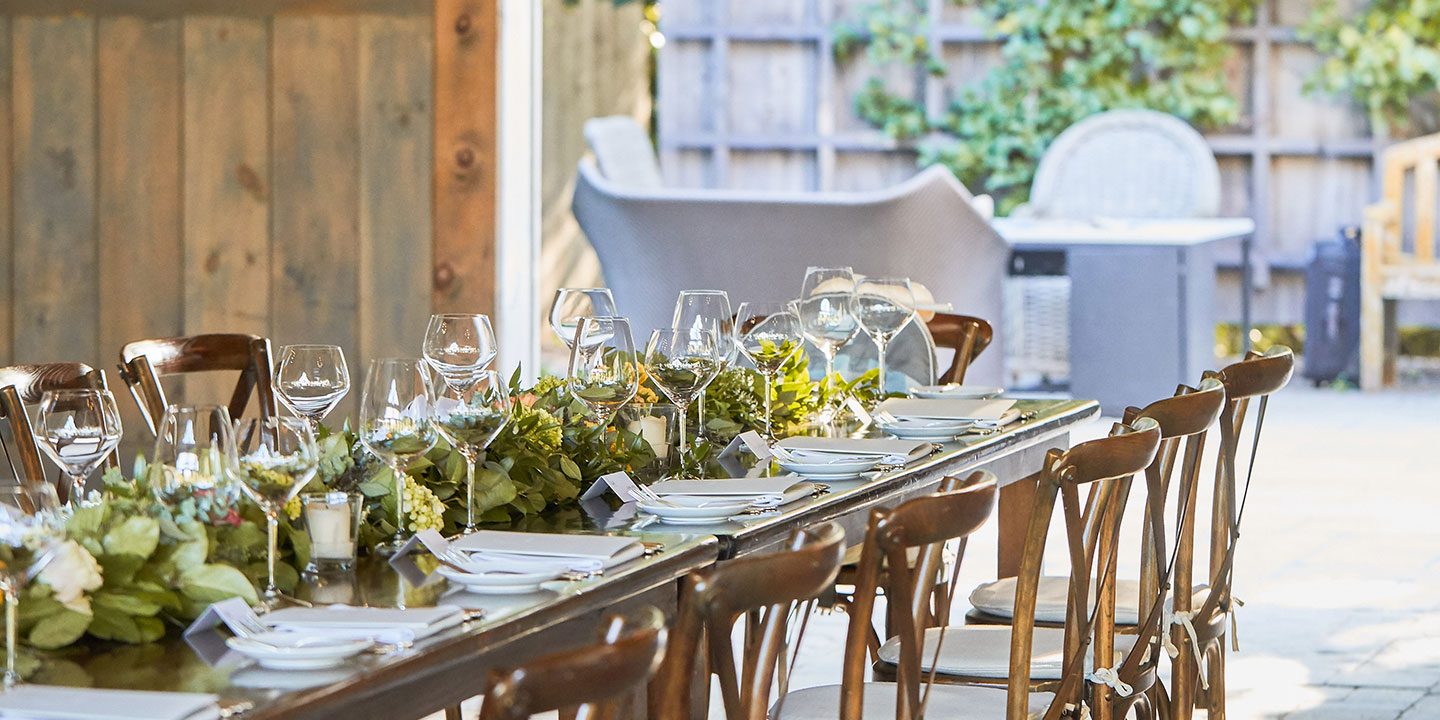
[70,574]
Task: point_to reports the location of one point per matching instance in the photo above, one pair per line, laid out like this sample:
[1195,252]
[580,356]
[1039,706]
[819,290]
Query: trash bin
[1332,309]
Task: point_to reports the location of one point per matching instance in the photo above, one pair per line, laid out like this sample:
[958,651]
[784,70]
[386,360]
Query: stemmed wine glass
[706,310]
[827,320]
[459,346]
[603,373]
[571,304]
[29,540]
[769,335]
[395,424]
[682,363]
[311,380]
[277,459]
[884,306]
[470,418]
[195,458]
[78,429]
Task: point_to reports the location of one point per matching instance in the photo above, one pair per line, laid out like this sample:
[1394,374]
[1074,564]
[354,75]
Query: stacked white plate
[392,626]
[707,502]
[915,428]
[828,466]
[297,650]
[957,392]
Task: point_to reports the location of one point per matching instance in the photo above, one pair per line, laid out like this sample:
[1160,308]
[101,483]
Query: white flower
[72,573]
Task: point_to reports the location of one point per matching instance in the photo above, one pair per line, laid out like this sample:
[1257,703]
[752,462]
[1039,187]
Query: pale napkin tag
[234,613]
[752,442]
[620,482]
[858,408]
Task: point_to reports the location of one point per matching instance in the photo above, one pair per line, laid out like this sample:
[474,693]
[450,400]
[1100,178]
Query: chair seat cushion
[983,651]
[998,598]
[947,702]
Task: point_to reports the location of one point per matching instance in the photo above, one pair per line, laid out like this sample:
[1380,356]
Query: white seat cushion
[998,599]
[947,702]
[983,651]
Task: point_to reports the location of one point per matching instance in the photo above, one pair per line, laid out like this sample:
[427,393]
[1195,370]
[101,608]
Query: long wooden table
[444,670]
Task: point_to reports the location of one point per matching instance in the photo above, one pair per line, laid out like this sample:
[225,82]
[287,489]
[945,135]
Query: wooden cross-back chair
[1184,419]
[144,362]
[1025,658]
[968,336]
[764,588]
[595,682]
[1200,633]
[22,385]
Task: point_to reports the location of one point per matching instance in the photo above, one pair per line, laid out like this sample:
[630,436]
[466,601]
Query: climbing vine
[1385,57]
[1061,60]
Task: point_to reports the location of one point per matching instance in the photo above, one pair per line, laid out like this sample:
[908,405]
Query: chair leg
[453,713]
[1159,702]
[1215,697]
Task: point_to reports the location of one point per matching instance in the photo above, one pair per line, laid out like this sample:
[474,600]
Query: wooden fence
[750,95]
[310,170]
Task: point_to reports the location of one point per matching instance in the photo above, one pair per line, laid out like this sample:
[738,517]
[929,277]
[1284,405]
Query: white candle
[330,531]
[652,429]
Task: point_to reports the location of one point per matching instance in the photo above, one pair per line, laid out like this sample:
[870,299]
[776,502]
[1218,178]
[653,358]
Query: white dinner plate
[276,651]
[491,584]
[700,515]
[975,392]
[850,467]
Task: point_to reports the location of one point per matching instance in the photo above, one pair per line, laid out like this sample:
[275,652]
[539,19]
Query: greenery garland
[1061,60]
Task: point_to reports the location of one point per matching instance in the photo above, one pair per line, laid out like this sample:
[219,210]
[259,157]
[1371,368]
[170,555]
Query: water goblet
[277,459]
[681,363]
[470,419]
[395,424]
[311,380]
[77,429]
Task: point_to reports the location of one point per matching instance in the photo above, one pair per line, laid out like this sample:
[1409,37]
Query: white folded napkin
[1009,417]
[50,702]
[501,545]
[391,626]
[890,450]
[484,563]
[767,491]
[946,408]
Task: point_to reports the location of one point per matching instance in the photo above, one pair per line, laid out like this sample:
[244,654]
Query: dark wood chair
[766,590]
[597,680]
[144,362]
[22,385]
[968,336]
[1255,379]
[1037,659]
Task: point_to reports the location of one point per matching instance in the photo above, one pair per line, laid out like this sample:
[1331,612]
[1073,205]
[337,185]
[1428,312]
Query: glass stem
[399,502]
[12,621]
[77,490]
[769,388]
[684,444]
[700,414]
[272,528]
[880,344]
[470,460]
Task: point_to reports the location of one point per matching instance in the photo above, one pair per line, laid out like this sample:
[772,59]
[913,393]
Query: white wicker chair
[1118,164]
[654,242]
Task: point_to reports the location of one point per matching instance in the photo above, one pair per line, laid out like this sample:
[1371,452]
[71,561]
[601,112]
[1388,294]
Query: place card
[428,538]
[619,482]
[234,613]
[857,408]
[752,442]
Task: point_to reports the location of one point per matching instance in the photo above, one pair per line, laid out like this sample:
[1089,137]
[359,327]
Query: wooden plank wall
[749,95]
[267,171]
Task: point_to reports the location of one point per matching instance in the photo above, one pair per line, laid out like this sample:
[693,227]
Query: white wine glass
[395,424]
[277,459]
[827,320]
[470,419]
[884,306]
[603,374]
[311,380]
[706,310]
[78,429]
[681,363]
[29,540]
[769,336]
[458,346]
[195,460]
[571,304]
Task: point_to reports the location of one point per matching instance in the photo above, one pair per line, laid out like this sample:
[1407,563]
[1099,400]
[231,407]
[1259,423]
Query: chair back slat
[1426,170]
[764,589]
[599,678]
[22,385]
[144,362]
[968,336]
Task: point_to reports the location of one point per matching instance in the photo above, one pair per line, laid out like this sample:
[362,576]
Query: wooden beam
[232,8]
[465,161]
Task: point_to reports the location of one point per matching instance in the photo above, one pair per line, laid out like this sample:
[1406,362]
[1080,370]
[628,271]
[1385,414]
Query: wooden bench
[1391,271]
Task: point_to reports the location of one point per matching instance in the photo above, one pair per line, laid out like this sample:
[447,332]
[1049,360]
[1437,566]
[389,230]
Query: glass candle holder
[657,423]
[333,521]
